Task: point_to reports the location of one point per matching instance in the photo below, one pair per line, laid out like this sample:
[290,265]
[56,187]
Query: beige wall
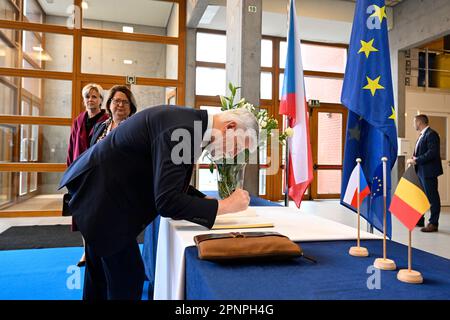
[419,100]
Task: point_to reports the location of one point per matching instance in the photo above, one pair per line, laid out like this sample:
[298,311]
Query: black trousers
[431,190]
[117,277]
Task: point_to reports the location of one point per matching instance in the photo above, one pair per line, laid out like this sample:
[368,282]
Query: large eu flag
[367,93]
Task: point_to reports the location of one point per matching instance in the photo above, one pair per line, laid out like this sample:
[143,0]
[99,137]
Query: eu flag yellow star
[367,47]
[379,12]
[373,85]
[393,116]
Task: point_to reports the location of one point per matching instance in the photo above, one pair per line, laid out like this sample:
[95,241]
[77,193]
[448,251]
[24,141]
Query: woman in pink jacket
[83,128]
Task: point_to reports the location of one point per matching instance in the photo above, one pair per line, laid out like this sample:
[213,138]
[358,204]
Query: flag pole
[358,251]
[385,263]
[286,174]
[409,252]
[409,275]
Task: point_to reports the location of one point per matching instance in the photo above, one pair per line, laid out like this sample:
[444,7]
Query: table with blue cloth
[151,236]
[336,275]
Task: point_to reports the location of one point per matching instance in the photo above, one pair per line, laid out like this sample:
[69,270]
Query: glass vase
[229,177]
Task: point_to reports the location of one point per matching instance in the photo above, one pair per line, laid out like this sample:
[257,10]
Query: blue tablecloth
[151,237]
[337,275]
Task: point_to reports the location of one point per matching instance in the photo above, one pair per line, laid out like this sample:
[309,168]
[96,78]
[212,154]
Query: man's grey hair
[245,120]
[87,88]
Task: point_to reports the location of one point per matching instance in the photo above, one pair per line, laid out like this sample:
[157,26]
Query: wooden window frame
[76,77]
[274,183]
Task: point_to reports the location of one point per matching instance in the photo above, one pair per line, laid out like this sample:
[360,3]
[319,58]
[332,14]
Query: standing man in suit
[428,165]
[142,169]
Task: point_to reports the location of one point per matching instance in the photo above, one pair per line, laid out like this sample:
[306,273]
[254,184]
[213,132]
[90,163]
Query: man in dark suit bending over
[142,169]
[428,165]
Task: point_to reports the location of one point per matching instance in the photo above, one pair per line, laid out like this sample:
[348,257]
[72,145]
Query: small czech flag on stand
[351,193]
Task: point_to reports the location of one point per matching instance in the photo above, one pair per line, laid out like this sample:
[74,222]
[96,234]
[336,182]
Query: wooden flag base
[358,252]
[384,264]
[410,276]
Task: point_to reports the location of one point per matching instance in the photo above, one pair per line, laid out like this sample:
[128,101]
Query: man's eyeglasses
[117,102]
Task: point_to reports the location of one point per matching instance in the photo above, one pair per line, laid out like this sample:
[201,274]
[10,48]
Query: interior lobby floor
[437,243]
[38,203]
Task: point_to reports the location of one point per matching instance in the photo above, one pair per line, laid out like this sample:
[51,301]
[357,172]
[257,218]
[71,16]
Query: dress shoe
[430,228]
[81,263]
[420,223]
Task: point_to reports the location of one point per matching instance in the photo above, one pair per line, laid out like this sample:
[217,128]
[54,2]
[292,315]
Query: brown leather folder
[246,246]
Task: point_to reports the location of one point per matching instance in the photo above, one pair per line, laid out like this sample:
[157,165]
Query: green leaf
[211,167]
[223,102]
[232,89]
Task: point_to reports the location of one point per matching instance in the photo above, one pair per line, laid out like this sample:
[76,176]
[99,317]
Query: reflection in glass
[329,138]
[318,57]
[266,85]
[8,52]
[211,47]
[8,11]
[55,100]
[36,191]
[210,81]
[323,89]
[147,17]
[329,181]
[119,57]
[266,53]
[323,58]
[23,183]
[7,98]
[32,11]
[262,181]
[149,96]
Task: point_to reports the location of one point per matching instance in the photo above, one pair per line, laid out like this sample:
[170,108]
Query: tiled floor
[437,243]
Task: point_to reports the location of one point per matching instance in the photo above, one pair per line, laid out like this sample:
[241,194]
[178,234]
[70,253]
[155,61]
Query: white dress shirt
[420,137]
[207,135]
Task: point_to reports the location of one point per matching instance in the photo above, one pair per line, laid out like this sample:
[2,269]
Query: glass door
[327,140]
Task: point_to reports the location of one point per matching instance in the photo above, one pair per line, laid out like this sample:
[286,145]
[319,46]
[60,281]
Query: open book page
[241,220]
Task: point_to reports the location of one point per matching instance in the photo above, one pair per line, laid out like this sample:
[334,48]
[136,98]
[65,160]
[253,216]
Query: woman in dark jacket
[120,105]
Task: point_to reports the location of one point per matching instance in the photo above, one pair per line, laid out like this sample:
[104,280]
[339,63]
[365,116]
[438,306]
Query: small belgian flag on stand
[409,202]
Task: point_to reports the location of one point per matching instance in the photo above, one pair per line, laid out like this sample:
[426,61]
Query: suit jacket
[97,131]
[79,137]
[428,162]
[124,181]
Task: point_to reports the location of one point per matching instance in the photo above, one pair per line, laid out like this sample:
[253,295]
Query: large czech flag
[293,104]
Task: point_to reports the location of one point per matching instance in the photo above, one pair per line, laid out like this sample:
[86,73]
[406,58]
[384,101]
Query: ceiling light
[127,61]
[38,49]
[84,5]
[128,29]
